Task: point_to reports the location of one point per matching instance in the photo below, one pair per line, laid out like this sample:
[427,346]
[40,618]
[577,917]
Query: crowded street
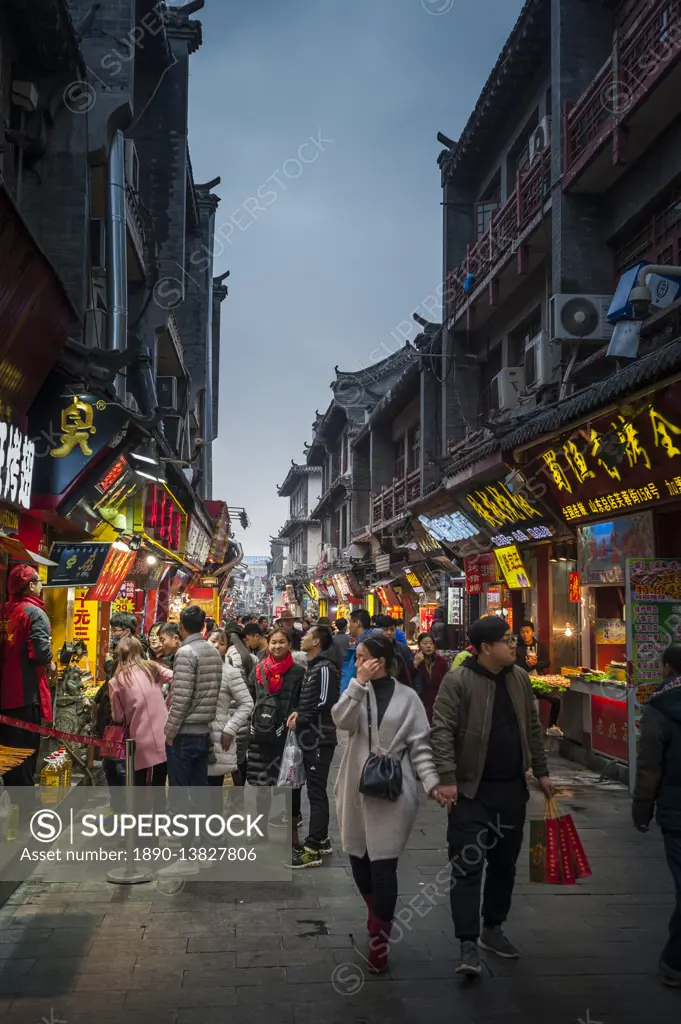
[293,954]
[340,490]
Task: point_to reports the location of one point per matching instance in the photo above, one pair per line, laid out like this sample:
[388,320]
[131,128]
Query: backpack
[265,720]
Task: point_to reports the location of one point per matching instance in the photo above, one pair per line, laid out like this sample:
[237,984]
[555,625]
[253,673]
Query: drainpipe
[208,394]
[117,259]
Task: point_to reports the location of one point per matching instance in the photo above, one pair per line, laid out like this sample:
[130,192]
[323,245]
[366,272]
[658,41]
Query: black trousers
[486,830]
[317,767]
[554,704]
[378,879]
[159,774]
[10,736]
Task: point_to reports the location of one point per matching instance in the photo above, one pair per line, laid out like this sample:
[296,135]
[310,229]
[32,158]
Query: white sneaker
[555,731]
[179,869]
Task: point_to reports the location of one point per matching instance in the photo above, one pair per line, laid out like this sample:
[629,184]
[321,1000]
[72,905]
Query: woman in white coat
[232,714]
[375,831]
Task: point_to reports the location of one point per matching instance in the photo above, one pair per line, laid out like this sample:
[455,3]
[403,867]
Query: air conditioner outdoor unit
[540,138]
[331,552]
[506,388]
[539,362]
[132,165]
[166,392]
[580,317]
[98,246]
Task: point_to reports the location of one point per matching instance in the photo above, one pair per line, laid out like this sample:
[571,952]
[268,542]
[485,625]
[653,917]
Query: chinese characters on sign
[498,507]
[620,463]
[653,596]
[414,582]
[511,565]
[77,424]
[480,570]
[609,727]
[125,602]
[449,528]
[17,455]
[116,568]
[455,606]
[574,588]
[85,614]
[530,533]
[610,631]
[163,518]
[78,565]
[198,543]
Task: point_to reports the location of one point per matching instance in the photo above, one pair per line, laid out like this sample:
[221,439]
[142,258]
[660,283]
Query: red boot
[370,916]
[379,947]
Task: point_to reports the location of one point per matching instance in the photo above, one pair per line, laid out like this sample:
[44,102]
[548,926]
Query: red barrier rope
[57,734]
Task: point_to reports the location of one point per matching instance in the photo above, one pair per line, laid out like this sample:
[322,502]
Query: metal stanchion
[133,873]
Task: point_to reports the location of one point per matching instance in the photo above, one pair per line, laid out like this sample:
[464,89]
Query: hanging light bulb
[568,631]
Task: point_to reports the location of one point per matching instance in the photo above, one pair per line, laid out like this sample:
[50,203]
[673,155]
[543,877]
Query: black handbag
[382,774]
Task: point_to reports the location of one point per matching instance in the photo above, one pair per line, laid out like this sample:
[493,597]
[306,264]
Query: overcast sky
[346,242]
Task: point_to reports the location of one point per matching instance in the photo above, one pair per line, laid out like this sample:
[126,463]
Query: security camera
[641,300]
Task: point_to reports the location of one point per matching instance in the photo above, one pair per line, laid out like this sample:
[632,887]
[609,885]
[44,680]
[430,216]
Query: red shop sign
[480,570]
[609,729]
[574,588]
[163,518]
[115,569]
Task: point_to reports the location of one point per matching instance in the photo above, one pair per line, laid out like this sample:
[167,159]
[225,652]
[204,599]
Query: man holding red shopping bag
[486,735]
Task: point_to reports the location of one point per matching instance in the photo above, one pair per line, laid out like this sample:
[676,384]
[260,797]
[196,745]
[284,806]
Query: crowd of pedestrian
[208,704]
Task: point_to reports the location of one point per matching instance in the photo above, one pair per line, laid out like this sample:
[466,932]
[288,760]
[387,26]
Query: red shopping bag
[556,853]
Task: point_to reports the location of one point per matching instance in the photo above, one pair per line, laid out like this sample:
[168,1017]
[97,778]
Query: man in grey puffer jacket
[197,672]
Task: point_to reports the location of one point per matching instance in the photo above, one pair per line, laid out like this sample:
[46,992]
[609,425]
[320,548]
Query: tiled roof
[292,477]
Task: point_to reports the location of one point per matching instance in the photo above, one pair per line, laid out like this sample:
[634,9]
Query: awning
[16,550]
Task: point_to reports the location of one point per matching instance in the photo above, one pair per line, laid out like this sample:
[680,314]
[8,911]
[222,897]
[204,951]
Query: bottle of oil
[50,780]
[67,766]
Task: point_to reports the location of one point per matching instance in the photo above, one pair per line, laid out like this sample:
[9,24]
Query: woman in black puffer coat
[275,685]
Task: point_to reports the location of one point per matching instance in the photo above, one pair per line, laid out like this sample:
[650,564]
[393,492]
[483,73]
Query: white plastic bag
[292,772]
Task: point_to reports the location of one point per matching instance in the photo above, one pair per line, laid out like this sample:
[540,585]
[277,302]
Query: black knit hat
[489,630]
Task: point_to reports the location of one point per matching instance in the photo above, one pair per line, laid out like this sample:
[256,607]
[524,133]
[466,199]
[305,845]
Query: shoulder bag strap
[369,719]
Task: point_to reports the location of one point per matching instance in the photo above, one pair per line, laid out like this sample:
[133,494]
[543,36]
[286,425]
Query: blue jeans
[671,954]
[188,760]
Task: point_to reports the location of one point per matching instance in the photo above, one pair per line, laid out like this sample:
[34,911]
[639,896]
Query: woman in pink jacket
[136,690]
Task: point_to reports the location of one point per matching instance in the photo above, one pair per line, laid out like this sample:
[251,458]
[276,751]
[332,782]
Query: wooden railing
[531,191]
[650,46]
[391,502]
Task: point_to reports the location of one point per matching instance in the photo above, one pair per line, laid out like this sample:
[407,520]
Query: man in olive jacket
[486,735]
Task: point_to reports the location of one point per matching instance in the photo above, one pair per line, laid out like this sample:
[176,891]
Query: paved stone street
[86,953]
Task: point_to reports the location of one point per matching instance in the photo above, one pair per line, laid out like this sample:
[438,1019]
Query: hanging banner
[85,623]
[574,588]
[653,601]
[480,570]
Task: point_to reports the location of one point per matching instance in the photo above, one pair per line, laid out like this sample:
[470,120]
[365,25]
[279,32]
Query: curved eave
[525,49]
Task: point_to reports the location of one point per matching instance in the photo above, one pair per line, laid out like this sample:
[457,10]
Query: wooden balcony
[392,502]
[505,233]
[636,89]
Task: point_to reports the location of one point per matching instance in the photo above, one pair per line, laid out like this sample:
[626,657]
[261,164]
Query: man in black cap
[486,735]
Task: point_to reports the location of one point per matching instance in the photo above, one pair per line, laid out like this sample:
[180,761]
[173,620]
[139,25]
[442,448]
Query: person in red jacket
[26,658]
